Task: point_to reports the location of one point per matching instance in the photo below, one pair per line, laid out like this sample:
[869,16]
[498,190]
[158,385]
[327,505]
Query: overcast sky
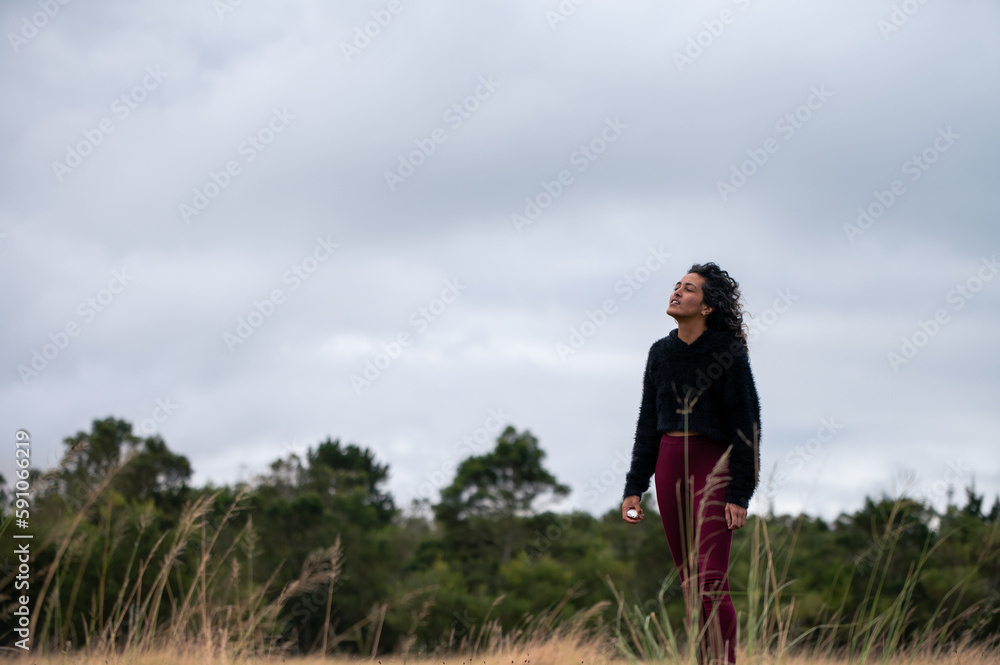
[216,217]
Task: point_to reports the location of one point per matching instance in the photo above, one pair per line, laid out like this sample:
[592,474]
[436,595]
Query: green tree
[351,475]
[151,472]
[303,505]
[482,510]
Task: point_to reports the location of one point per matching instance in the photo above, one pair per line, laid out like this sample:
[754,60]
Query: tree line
[313,554]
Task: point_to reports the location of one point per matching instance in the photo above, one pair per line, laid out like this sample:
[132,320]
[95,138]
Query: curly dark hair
[722,294]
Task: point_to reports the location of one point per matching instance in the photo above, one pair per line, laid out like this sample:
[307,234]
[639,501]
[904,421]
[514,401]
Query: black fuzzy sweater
[713,376]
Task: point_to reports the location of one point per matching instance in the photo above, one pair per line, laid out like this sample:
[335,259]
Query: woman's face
[687,299]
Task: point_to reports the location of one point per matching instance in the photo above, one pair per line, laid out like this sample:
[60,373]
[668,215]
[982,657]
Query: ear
[705,310]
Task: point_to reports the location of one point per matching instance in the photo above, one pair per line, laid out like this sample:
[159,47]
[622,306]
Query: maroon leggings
[708,564]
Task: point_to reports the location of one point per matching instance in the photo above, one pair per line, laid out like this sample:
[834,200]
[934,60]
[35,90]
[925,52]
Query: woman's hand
[736,516]
[631,502]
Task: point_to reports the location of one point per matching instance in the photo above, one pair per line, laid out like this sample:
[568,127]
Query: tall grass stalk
[541,633]
[875,633]
[67,536]
[184,607]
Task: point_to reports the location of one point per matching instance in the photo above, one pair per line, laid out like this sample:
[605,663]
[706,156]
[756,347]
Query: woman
[700,420]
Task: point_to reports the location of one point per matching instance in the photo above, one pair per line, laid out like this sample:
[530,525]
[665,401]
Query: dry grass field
[557,652]
[193,631]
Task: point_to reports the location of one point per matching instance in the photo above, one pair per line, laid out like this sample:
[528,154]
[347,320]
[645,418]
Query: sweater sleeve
[645,450]
[743,403]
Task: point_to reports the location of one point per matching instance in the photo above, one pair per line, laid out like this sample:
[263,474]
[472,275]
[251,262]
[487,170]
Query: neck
[688,330]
